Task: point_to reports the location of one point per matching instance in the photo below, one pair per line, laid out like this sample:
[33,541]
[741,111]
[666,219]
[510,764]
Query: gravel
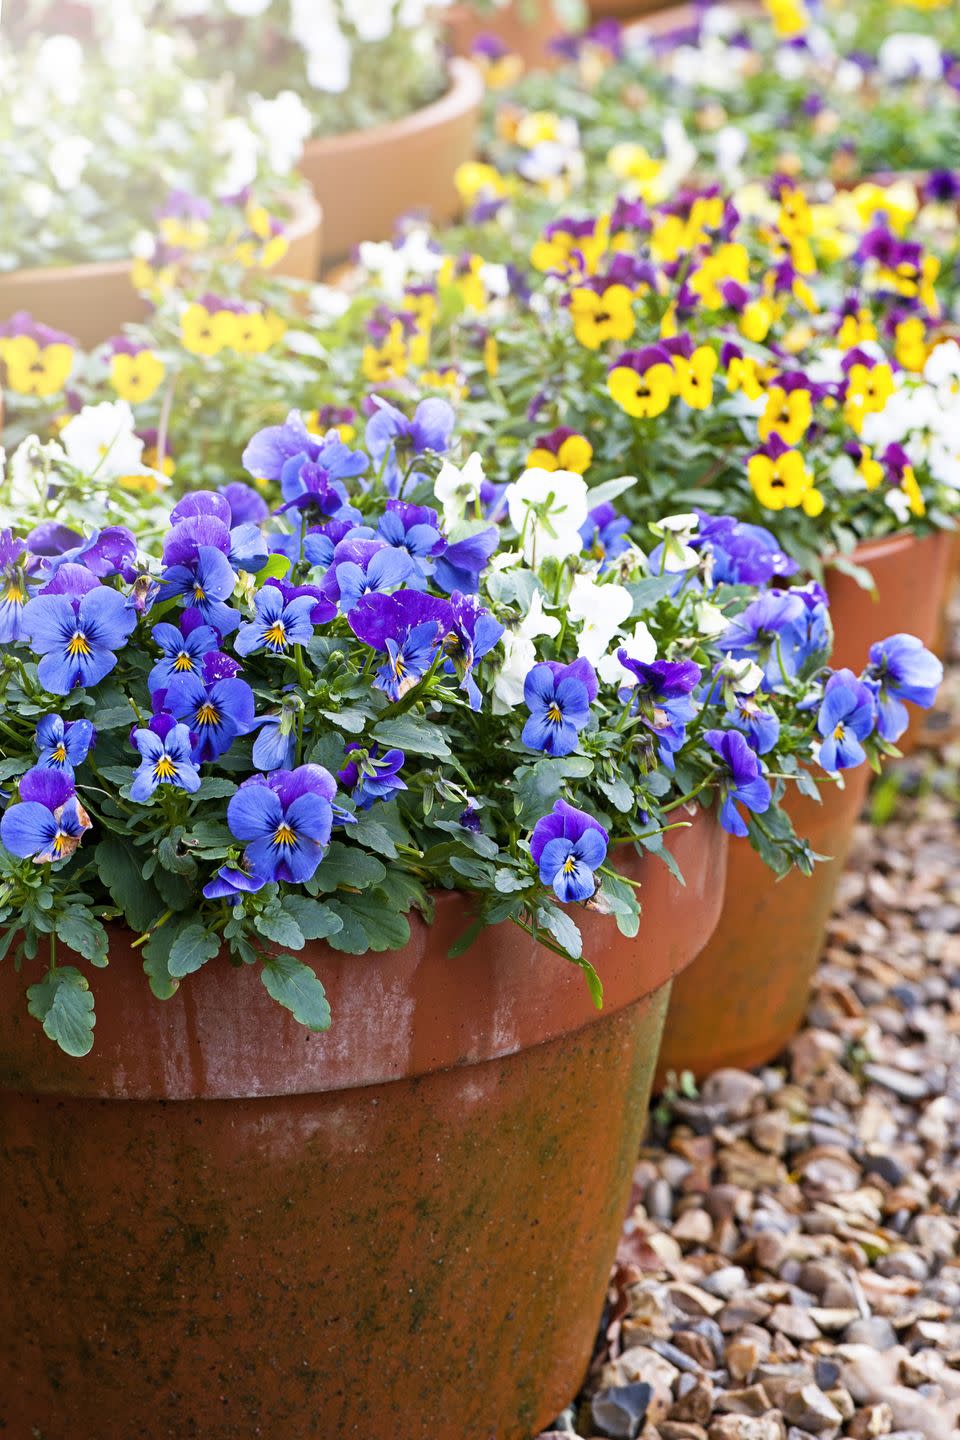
[790,1266]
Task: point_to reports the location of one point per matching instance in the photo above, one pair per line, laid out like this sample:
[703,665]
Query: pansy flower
[409,627]
[846,717]
[562,449]
[371,775]
[164,760]
[394,440]
[415,529]
[360,567]
[601,312]
[559,699]
[280,623]
[136,371]
[48,823]
[662,693]
[780,479]
[643,382]
[232,882]
[216,711]
[567,846]
[285,821]
[605,534]
[741,780]
[77,638]
[181,652]
[14,591]
[473,634]
[901,668]
[63,744]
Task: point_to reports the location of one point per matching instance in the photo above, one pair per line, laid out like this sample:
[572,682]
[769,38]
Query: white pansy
[899,504]
[942,371]
[680,155]
[520,655]
[744,676]
[904,56]
[247,8]
[28,470]
[327,303]
[547,509]
[100,440]
[395,265]
[710,619]
[848,77]
[38,198]
[285,124]
[846,477]
[893,423]
[67,160]
[58,65]
[599,611]
[372,19]
[675,531]
[239,148]
[640,645]
[729,147]
[496,280]
[328,61]
[456,487]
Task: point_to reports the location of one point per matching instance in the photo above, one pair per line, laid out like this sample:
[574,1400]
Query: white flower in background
[372,19]
[495,279]
[38,198]
[846,477]
[680,156]
[904,56]
[599,610]
[328,61]
[710,619]
[898,502]
[547,508]
[520,655]
[416,258]
[943,457]
[238,145]
[848,77]
[942,371]
[327,304]
[729,147]
[28,471]
[743,676]
[285,124]
[100,440]
[721,21]
[675,531]
[790,63]
[67,160]
[59,65]
[247,8]
[892,424]
[639,646]
[457,487]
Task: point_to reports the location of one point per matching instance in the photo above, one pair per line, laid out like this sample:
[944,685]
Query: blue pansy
[165,760]
[180,654]
[63,744]
[215,712]
[559,699]
[663,695]
[13,587]
[605,534]
[232,882]
[741,781]
[77,638]
[901,668]
[409,627]
[473,634]
[847,716]
[279,623]
[371,775]
[460,566]
[761,727]
[414,529]
[568,846]
[284,820]
[393,439]
[49,822]
[781,630]
[743,554]
[361,567]
[206,581]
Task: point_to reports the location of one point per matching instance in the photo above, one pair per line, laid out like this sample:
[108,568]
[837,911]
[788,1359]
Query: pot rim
[306,217]
[885,545]
[466,89]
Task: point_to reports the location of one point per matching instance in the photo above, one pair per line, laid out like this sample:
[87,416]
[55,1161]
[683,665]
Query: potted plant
[353,760]
[505,37]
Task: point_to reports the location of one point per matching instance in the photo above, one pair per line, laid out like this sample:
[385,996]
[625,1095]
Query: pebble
[620,1411]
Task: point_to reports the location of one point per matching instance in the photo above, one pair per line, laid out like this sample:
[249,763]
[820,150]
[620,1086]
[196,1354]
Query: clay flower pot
[367,179]
[626,10]
[222,1225]
[94,301]
[757,970]
[523,33]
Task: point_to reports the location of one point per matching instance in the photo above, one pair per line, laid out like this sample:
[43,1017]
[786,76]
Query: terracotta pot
[366,180]
[757,970]
[526,35]
[663,16]
[92,302]
[219,1225]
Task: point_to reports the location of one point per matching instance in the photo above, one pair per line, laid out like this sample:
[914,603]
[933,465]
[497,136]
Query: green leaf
[315,919]
[374,836]
[85,936]
[193,947]
[280,927]
[62,1002]
[619,793]
[347,865]
[115,717]
[647,593]
[275,568]
[11,768]
[506,881]
[215,787]
[564,930]
[609,490]
[350,720]
[622,899]
[118,868]
[156,954]
[471,869]
[417,734]
[368,924]
[296,987]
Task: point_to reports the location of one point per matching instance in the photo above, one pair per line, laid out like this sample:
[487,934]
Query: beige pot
[92,302]
[528,37]
[365,180]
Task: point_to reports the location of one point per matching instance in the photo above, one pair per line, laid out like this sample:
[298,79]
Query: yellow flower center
[199,593]
[183,662]
[78,644]
[62,843]
[60,753]
[838,731]
[207,714]
[284,835]
[164,768]
[555,714]
[569,865]
[15,593]
[275,635]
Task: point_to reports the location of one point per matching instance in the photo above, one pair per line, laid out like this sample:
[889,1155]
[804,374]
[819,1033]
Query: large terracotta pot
[523,33]
[219,1225]
[757,970]
[93,302]
[366,180]
[626,10]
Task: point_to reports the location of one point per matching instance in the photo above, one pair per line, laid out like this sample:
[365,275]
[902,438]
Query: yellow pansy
[631,161]
[203,332]
[599,318]
[137,378]
[787,414]
[779,482]
[535,127]
[856,329]
[756,318]
[252,333]
[910,344]
[464,274]
[33,369]
[868,390]
[728,262]
[491,356]
[183,234]
[388,361]
[573,453]
[790,17]
[449,380]
[794,218]
[473,179]
[645,393]
[871,471]
[743,373]
[910,488]
[898,203]
[152,280]
[695,377]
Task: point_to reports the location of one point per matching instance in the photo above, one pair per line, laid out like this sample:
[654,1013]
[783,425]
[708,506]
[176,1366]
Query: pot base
[387,1242]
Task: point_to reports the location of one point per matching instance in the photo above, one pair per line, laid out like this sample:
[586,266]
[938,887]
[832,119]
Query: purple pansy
[393,439]
[48,823]
[567,847]
[63,744]
[284,820]
[370,774]
[847,715]
[361,567]
[409,626]
[559,699]
[741,782]
[901,668]
[663,695]
[473,634]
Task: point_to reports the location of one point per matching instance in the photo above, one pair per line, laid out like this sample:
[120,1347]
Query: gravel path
[791,1264]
